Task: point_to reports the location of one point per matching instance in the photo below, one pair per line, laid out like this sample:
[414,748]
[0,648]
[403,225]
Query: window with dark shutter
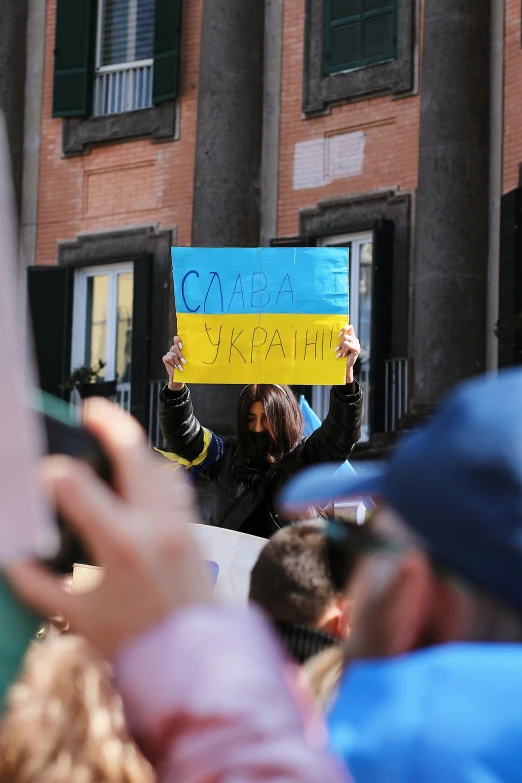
[74,52]
[359,33]
[167,45]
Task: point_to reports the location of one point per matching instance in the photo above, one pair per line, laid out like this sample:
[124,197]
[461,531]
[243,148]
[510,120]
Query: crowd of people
[383,652]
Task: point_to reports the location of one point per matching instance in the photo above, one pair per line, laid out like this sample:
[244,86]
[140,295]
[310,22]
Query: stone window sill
[80,134]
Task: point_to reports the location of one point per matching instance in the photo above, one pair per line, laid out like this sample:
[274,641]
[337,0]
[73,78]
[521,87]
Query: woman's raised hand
[349,348]
[174,361]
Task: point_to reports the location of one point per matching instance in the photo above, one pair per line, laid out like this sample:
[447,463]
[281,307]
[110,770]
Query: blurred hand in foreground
[138,531]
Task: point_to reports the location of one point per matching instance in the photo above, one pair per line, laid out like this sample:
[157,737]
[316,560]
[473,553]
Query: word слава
[251,292]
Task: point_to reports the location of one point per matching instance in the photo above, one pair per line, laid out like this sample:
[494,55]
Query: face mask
[260,442]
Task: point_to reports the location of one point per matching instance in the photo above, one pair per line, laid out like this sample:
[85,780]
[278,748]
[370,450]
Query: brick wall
[513,91]
[358,147]
[124,184]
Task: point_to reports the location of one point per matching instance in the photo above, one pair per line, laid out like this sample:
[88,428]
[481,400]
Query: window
[360,260]
[355,49]
[359,33]
[124,56]
[118,60]
[102,323]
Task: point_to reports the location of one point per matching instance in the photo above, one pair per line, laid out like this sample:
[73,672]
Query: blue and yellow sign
[261,315]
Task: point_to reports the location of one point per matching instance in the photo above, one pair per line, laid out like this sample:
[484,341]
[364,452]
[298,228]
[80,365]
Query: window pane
[124,327]
[127,31]
[145,30]
[114,32]
[96,321]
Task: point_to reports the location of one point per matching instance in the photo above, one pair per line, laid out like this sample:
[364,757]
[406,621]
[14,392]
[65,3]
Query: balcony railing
[123,88]
[396,392]
[123,396]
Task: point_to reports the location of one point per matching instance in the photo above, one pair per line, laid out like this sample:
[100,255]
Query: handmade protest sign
[261,315]
[234,554]
[228,555]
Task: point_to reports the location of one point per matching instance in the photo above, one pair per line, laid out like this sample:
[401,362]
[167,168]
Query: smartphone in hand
[18,624]
[64,434]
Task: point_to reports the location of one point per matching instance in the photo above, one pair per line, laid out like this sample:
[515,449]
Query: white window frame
[131,61]
[321,394]
[80,316]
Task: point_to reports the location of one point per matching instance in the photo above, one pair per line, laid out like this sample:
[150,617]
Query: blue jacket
[450,714]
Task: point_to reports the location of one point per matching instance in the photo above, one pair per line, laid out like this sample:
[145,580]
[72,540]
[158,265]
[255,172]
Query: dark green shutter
[167,47]
[510,280]
[359,32]
[141,328]
[50,294]
[75,44]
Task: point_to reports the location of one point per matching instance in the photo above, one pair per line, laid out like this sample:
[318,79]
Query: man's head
[406,597]
[291,582]
[441,558]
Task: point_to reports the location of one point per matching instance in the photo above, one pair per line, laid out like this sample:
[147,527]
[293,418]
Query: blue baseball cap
[456,482]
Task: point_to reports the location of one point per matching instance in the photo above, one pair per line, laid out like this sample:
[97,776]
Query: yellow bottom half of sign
[293,349]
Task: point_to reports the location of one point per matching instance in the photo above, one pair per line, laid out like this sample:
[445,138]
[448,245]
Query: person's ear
[450,611]
[337,618]
[408,603]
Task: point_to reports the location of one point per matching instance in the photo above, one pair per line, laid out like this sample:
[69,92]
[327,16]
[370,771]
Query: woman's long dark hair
[284,419]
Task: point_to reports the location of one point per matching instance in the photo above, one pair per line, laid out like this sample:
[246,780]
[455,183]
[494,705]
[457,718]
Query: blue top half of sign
[246,281]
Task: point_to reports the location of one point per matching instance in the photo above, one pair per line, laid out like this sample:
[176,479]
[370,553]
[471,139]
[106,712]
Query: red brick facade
[512,93]
[390,128]
[133,183]
[118,185]
[366,148]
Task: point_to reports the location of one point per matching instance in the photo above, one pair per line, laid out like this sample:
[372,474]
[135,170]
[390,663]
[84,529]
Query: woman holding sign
[248,471]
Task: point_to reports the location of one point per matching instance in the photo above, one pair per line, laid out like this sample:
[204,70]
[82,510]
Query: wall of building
[124,184]
[13,43]
[358,147]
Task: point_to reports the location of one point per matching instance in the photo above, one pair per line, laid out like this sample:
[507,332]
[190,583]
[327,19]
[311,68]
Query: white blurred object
[235,554]
[351,512]
[26,527]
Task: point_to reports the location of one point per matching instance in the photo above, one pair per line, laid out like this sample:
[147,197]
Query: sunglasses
[363,540]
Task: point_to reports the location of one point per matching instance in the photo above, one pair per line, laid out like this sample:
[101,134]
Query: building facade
[288,122]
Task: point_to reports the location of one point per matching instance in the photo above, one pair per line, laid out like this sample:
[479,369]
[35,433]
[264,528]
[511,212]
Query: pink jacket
[211,699]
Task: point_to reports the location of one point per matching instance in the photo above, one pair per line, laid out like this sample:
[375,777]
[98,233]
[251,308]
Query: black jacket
[245,498]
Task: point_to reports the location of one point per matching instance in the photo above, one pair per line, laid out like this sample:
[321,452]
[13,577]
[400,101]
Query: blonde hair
[322,674]
[64,722]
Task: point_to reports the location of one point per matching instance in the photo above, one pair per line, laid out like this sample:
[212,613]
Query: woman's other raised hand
[174,361]
[349,348]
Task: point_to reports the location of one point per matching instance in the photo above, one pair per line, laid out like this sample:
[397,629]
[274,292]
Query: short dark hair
[283,416]
[291,579]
